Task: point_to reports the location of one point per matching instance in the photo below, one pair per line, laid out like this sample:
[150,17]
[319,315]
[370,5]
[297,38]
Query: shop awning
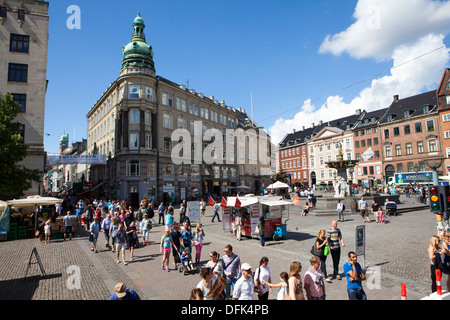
[277,203]
[245,202]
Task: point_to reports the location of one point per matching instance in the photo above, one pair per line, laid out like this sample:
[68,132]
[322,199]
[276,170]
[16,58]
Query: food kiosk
[251,209]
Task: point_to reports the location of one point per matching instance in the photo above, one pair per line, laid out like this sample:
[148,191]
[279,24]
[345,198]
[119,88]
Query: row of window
[407,129]
[362,143]
[4,13]
[293,164]
[432,147]
[169,169]
[298,175]
[182,105]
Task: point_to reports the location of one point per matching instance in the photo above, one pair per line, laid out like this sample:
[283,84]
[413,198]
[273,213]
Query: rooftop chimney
[320,122]
[312,125]
[396,98]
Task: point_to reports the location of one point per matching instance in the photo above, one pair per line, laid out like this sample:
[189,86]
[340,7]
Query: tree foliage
[281,176]
[14,177]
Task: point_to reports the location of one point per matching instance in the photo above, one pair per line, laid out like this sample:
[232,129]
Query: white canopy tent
[33,201]
[278,185]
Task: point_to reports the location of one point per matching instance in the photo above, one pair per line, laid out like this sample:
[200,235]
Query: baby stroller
[186,265]
[391,208]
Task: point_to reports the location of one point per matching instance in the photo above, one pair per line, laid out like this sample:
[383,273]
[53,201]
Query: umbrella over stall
[278,185]
[35,202]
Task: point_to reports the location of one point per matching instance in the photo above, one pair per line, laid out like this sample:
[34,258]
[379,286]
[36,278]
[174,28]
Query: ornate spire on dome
[138,53]
[139,27]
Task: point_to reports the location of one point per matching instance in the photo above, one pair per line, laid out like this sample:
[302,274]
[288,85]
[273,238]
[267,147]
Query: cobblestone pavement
[397,250]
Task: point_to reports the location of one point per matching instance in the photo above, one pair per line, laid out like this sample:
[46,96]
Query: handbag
[326,251]
[91,238]
[316,252]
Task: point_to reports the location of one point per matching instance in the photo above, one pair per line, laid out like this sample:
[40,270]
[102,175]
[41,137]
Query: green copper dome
[138,53]
[64,138]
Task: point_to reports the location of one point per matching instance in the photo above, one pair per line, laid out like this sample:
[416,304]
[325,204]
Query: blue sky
[283,53]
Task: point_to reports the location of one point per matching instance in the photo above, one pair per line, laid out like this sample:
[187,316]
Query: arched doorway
[389,172]
[313,178]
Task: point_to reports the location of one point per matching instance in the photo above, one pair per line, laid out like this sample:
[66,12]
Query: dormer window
[407,113]
[390,117]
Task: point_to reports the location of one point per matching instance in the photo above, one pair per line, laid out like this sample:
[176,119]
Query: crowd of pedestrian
[230,279]
[226,278]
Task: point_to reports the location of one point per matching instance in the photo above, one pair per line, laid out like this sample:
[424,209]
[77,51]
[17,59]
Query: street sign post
[360,242]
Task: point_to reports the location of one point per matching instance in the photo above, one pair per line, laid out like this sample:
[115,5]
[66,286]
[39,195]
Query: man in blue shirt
[95,229]
[122,293]
[355,275]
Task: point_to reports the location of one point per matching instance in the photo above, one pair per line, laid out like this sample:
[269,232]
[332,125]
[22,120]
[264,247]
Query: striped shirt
[232,266]
[333,237]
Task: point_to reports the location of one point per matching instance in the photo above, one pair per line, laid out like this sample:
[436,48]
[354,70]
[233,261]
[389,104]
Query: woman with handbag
[262,276]
[434,254]
[322,246]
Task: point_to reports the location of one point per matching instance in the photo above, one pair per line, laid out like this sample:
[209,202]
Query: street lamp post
[434,164]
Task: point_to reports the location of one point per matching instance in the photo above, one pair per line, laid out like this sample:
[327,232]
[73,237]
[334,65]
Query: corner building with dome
[132,124]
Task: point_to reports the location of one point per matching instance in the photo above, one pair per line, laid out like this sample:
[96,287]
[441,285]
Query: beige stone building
[23,71]
[133,123]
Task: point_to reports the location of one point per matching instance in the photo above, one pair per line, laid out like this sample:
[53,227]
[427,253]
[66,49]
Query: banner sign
[193,210]
[76,159]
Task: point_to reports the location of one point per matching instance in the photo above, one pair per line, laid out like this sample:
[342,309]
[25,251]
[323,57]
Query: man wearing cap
[244,287]
[122,293]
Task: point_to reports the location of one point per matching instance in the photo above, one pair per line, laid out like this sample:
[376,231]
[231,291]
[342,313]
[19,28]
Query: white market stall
[251,209]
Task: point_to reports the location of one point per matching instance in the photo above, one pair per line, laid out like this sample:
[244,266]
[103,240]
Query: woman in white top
[263,274]
[215,264]
[146,225]
[207,280]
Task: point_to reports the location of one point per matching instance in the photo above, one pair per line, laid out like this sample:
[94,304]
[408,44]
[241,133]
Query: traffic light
[435,203]
[440,200]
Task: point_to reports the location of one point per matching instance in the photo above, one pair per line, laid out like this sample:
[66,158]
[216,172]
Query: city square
[99,272]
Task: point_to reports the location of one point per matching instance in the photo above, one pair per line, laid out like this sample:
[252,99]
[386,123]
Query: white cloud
[401,31]
[382,25]
[409,76]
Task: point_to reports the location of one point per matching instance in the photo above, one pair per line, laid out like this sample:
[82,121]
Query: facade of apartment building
[23,72]
[293,157]
[443,100]
[134,121]
[368,149]
[410,134]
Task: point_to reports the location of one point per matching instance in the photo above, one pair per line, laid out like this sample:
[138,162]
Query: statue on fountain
[341,166]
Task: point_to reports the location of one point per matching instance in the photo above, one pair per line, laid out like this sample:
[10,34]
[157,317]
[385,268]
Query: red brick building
[368,148]
[410,134]
[443,100]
